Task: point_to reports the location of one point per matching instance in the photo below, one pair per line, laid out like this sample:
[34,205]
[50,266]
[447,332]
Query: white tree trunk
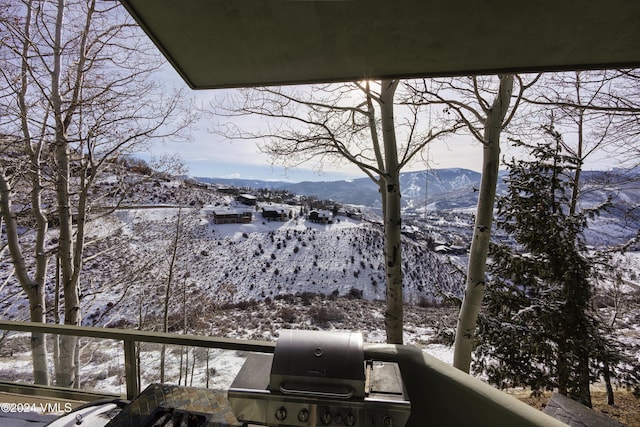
[35,290]
[65,375]
[167,295]
[34,287]
[475,284]
[394,313]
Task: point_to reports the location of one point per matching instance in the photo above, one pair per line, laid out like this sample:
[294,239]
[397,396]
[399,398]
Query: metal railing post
[131,369]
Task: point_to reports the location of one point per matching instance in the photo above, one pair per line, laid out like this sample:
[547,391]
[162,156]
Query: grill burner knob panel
[387,421]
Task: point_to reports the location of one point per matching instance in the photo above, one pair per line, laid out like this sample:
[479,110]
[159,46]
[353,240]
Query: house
[409,231]
[273,213]
[226,190]
[321,217]
[247,199]
[232,216]
[354,214]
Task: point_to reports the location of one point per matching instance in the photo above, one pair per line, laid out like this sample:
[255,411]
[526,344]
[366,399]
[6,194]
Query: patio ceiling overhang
[234,43]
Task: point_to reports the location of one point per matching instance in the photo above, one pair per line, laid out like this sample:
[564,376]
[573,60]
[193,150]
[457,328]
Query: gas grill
[319,378]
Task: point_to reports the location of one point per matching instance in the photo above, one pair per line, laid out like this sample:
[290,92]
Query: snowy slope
[232,263]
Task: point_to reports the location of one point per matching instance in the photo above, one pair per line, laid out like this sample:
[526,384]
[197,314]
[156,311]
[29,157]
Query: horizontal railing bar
[140,336]
[54,392]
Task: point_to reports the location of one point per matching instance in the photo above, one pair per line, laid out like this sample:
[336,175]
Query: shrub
[306,298]
[355,293]
[425,302]
[321,316]
[288,315]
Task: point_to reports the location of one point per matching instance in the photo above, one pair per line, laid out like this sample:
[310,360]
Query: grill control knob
[281,413]
[387,421]
[303,415]
[337,418]
[350,419]
[325,418]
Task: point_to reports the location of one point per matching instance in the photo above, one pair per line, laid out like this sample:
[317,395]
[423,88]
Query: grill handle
[325,392]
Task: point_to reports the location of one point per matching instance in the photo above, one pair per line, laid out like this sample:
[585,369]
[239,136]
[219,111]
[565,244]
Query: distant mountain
[360,191]
[440,188]
[448,188]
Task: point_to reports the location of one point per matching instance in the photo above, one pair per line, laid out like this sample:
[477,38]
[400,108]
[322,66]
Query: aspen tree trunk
[34,287]
[35,290]
[65,375]
[167,294]
[475,283]
[70,254]
[37,301]
[392,216]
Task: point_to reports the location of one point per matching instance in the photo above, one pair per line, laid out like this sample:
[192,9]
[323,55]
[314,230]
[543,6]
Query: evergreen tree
[538,328]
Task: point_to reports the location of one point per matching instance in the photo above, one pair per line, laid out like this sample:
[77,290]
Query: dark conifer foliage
[538,328]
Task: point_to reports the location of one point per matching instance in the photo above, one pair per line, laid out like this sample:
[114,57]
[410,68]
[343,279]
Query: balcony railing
[439,393]
[129,339]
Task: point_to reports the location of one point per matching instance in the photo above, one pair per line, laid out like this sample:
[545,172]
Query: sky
[211,155]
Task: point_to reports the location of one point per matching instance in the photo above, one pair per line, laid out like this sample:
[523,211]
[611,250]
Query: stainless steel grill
[319,378]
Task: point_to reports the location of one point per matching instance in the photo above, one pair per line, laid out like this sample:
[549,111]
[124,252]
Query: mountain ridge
[442,189]
[416,187]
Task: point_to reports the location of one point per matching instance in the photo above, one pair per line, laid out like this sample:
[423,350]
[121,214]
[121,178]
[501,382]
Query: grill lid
[319,363]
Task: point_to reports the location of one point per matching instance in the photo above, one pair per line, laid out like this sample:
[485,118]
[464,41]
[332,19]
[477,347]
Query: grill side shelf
[254,374]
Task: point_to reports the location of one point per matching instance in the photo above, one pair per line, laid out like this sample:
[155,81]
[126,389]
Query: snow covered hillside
[129,254]
[231,280]
[222,264]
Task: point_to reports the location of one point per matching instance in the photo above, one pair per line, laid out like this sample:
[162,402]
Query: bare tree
[16,77]
[84,94]
[597,114]
[575,101]
[486,110]
[600,99]
[352,122]
[570,104]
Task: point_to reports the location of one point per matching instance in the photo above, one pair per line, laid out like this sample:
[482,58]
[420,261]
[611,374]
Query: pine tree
[538,328]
